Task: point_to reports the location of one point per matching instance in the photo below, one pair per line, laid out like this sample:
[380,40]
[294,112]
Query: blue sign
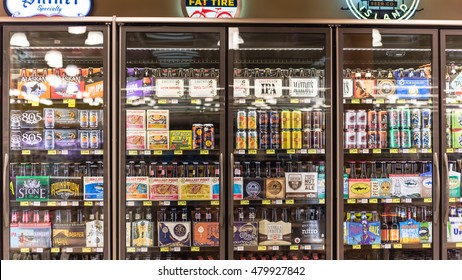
[63,8]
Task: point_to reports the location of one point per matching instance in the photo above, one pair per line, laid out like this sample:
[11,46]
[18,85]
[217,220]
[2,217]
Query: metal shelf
[297,247]
[393,246]
[165,249]
[287,201]
[387,200]
[15,203]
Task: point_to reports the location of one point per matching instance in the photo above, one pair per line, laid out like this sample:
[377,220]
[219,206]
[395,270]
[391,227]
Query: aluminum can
[393,119]
[263,120]
[426,138]
[361,120]
[241,140]
[317,138]
[382,120]
[15,140]
[241,120]
[263,140]
[286,119]
[49,139]
[307,120]
[372,120]
[350,120]
[286,139]
[252,120]
[383,139]
[307,139]
[350,139]
[372,139]
[275,140]
[15,119]
[209,137]
[252,140]
[297,139]
[426,118]
[317,117]
[405,118]
[296,119]
[274,119]
[405,136]
[83,118]
[197,134]
[84,139]
[416,118]
[94,118]
[94,139]
[395,140]
[416,138]
[361,139]
[49,116]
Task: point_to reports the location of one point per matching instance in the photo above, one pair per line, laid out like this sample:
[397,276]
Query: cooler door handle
[222,195]
[446,199]
[6,193]
[231,166]
[438,188]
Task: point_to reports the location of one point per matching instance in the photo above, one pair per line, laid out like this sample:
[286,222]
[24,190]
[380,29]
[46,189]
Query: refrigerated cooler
[451,139]
[388,147]
[172,143]
[279,143]
[55,133]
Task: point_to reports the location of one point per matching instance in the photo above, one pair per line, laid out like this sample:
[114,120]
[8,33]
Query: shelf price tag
[165,203]
[130,203]
[182,203]
[144,249]
[52,203]
[458,245]
[147,203]
[178,152]
[35,103]
[450,150]
[241,101]
[387,246]
[312,151]
[25,152]
[322,201]
[52,152]
[452,199]
[279,201]
[270,152]
[252,152]
[428,200]
[396,200]
[71,103]
[195,249]
[398,246]
[294,247]
[35,203]
[266,202]
[290,201]
[88,203]
[63,203]
[426,245]
[239,248]
[380,101]
[303,151]
[24,203]
[413,151]
[261,248]
[164,249]
[215,202]
[355,101]
[25,250]
[158,153]
[375,246]
[351,201]
[294,101]
[132,153]
[290,152]
[69,250]
[408,200]
[401,101]
[394,151]
[377,151]
[259,101]
[84,152]
[86,250]
[356,247]
[131,250]
[55,250]
[373,200]
[204,152]
[39,250]
[244,202]
[274,248]
[354,151]
[162,101]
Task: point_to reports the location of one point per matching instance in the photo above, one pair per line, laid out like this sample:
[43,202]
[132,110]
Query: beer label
[137,188]
[254,188]
[238,188]
[163,188]
[180,139]
[203,87]
[169,88]
[136,120]
[409,232]
[380,188]
[94,233]
[65,139]
[275,188]
[143,233]
[304,87]
[406,185]
[363,233]
[347,88]
[359,188]
[456,119]
[456,84]
[136,140]
[158,140]
[26,119]
[413,88]
[67,87]
[454,230]
[93,188]
[174,234]
[95,89]
[425,232]
[69,235]
[309,232]
[386,87]
[268,87]
[274,233]
[32,188]
[364,88]
[158,120]
[134,89]
[241,88]
[33,87]
[457,138]
[30,235]
[64,188]
[301,185]
[206,234]
[197,188]
[245,233]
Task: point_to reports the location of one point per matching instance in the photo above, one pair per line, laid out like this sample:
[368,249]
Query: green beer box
[457,138]
[32,188]
[457,119]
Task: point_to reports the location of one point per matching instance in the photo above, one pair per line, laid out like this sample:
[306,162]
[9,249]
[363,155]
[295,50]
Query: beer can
[307,139]
[317,118]
[286,119]
[94,118]
[263,140]
[393,119]
[241,120]
[94,139]
[350,120]
[350,139]
[449,113]
[275,140]
[296,119]
[197,132]
[263,120]
[252,140]
[382,139]
[395,141]
[241,140]
[372,139]
[416,116]
[49,139]
[361,120]
[382,120]
[426,138]
[84,139]
[449,138]
[426,118]
[83,118]
[15,119]
[252,120]
[49,116]
[274,119]
[416,138]
[372,120]
[307,120]
[15,140]
[405,136]
[317,139]
[297,139]
[361,139]
[286,139]
[405,117]
[209,137]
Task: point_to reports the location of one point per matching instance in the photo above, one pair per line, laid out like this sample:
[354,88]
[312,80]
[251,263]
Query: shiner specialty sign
[211,8]
[64,8]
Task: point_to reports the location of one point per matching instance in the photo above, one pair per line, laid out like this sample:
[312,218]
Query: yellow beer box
[359,188]
[197,188]
[158,140]
[181,139]
[157,119]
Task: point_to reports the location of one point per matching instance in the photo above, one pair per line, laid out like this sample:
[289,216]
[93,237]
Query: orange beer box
[181,139]
[94,84]
[206,234]
[380,188]
[136,120]
[158,140]
[174,234]
[364,88]
[301,185]
[199,188]
[137,188]
[33,84]
[359,188]
[157,119]
[163,188]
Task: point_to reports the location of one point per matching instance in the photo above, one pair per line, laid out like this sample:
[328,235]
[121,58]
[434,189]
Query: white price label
[36,203]
[75,203]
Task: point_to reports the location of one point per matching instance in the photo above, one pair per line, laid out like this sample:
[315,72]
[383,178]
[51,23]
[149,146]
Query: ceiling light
[77,29]
[19,39]
[94,38]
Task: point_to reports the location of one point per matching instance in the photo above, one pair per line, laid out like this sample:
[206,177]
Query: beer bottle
[173,215]
[394,229]
[137,215]
[131,169]
[80,216]
[274,215]
[195,169]
[393,167]
[384,230]
[252,214]
[363,168]
[264,214]
[57,217]
[164,171]
[208,214]
[352,165]
[152,169]
[373,169]
[268,169]
[240,214]
[310,166]
[44,169]
[184,214]
[216,169]
[185,169]
[352,216]
[247,169]
[68,216]
[36,216]
[46,216]
[423,214]
[411,73]
[237,169]
[257,170]
[206,172]
[288,166]
[218,214]
[197,215]
[285,215]
[299,166]
[383,169]
[375,216]
[278,170]
[163,215]
[175,170]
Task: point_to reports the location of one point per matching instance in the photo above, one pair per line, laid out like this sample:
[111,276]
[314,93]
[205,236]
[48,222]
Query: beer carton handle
[6,195]
[438,182]
[446,198]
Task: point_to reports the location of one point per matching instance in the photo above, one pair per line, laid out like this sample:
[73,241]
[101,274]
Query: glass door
[55,132]
[280,148]
[172,129]
[388,141]
[451,138]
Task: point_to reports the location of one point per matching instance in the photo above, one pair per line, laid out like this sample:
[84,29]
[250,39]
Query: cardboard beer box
[136,140]
[308,232]
[206,234]
[455,229]
[425,232]
[65,139]
[203,87]
[143,233]
[158,120]
[158,140]
[93,188]
[274,233]
[136,120]
[406,185]
[457,119]
[364,88]
[30,235]
[170,87]
[197,188]
[94,233]
[380,188]
[253,188]
[238,188]
[66,188]
[33,139]
[26,119]
[134,85]
[31,87]
[457,138]
[66,118]
[137,188]
[426,184]
[364,233]
[69,235]
[275,188]
[174,234]
[245,233]
[359,188]
[163,188]
[32,188]
[386,87]
[94,84]
[412,87]
[181,139]
[409,232]
[67,87]
[301,185]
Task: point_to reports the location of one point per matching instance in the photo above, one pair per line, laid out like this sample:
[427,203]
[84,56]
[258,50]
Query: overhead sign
[383,9]
[63,8]
[211,8]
